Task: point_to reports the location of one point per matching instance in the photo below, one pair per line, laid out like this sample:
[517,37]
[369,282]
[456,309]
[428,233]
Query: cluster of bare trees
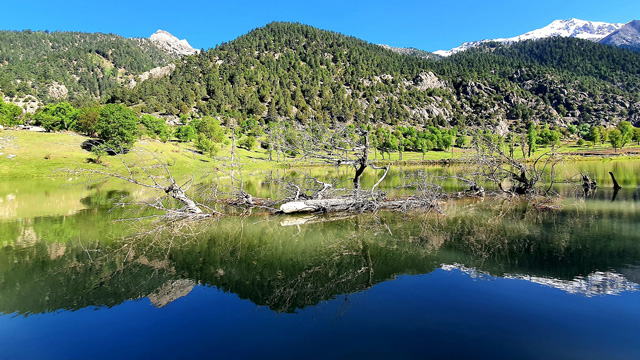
[491,169]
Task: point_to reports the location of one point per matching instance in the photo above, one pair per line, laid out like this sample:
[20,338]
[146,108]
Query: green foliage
[155,127]
[10,114]
[294,72]
[185,133]
[594,135]
[210,128]
[88,119]
[532,139]
[616,139]
[636,135]
[626,129]
[204,144]
[56,117]
[116,127]
[248,142]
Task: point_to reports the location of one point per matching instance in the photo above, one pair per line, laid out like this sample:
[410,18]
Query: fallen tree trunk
[358,205]
[327,205]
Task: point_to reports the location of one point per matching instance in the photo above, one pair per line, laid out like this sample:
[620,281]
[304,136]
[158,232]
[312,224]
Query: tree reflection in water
[294,262]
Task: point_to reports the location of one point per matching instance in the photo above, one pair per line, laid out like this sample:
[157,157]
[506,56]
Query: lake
[491,279]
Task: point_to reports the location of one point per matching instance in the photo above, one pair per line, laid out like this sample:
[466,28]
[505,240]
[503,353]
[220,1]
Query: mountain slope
[292,71]
[626,37]
[575,28]
[289,70]
[74,65]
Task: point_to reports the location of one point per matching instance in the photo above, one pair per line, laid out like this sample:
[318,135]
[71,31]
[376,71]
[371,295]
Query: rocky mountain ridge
[627,36]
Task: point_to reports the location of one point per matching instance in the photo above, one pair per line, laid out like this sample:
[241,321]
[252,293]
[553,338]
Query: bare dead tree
[149,171]
[512,176]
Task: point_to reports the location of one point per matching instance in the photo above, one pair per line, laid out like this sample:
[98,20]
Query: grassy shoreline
[26,154]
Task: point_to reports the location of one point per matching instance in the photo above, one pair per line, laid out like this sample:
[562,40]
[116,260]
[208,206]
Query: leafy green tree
[155,127]
[56,117]
[461,140]
[248,142]
[636,135]
[616,139]
[10,114]
[626,129]
[87,119]
[185,133]
[604,135]
[532,139]
[204,144]
[447,141]
[210,127]
[116,127]
[594,135]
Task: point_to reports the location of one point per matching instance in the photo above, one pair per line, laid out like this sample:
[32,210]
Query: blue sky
[427,25]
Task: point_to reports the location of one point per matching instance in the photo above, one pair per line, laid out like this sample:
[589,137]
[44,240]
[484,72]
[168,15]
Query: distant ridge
[582,29]
[412,52]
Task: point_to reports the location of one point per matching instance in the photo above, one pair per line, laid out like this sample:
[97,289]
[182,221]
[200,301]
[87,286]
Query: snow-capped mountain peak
[172,44]
[582,29]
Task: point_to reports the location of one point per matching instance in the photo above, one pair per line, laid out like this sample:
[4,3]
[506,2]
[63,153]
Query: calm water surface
[488,280]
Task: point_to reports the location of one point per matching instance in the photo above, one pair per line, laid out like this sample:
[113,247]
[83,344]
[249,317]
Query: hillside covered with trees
[294,71]
[36,64]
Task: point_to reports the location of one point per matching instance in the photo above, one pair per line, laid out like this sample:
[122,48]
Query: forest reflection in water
[590,247]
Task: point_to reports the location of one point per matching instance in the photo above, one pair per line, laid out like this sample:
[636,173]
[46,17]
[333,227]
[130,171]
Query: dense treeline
[88,65]
[289,71]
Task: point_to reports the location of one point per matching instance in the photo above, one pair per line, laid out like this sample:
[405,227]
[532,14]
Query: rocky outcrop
[58,91]
[428,80]
[28,102]
[171,44]
[154,73]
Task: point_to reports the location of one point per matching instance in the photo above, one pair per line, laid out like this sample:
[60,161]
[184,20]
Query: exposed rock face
[58,91]
[154,73]
[171,44]
[626,37]
[427,80]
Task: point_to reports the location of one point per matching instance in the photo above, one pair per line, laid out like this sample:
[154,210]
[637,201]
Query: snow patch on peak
[582,29]
[169,43]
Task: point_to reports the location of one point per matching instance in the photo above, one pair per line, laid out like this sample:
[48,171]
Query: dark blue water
[441,314]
